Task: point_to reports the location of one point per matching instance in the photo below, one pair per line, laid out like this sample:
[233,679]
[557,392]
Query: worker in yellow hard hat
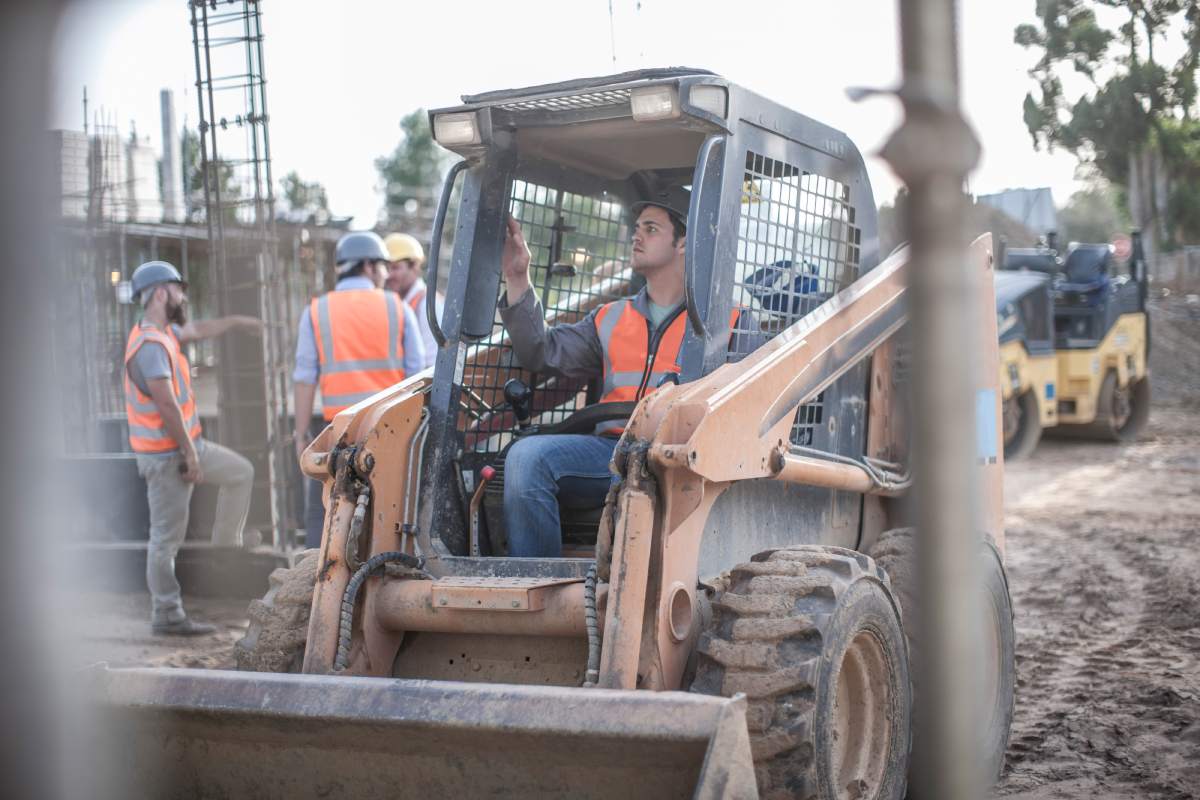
[406,262]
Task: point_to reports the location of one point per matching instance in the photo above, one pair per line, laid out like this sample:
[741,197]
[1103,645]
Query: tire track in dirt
[1106,586]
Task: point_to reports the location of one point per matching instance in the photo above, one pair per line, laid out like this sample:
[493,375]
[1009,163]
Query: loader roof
[616,125]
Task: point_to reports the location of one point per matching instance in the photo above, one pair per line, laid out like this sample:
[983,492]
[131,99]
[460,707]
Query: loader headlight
[456,129]
[712,99]
[654,102]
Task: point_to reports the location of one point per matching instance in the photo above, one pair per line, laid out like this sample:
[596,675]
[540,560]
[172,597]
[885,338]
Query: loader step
[494,594]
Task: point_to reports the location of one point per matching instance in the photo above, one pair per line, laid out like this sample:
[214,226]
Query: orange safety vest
[147,433]
[414,302]
[637,358]
[360,345]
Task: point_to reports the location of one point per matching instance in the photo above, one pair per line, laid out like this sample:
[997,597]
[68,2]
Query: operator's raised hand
[514,262]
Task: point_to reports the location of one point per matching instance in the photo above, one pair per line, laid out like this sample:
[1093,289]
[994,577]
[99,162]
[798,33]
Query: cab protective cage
[781,218]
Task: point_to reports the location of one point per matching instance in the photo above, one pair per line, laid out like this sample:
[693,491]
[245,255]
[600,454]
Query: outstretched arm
[208,328]
[572,350]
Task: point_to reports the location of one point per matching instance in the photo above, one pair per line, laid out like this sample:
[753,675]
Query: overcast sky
[341,75]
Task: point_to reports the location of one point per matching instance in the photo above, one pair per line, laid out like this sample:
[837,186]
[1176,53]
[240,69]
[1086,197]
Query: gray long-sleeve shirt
[573,349]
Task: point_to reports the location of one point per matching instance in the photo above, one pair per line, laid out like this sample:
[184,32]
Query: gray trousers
[169,496]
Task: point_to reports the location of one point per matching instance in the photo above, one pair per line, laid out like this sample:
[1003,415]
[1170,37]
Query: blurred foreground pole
[932,152]
[29,741]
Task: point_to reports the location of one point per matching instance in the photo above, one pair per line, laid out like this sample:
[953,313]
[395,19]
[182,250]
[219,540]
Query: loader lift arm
[687,444]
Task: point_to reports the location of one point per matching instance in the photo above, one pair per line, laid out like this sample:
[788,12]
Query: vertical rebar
[239,203]
[932,152]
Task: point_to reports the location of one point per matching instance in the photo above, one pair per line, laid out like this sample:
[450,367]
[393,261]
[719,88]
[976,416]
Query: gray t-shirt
[149,362]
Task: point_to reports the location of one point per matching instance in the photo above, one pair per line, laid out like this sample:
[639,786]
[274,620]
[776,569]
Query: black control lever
[520,397]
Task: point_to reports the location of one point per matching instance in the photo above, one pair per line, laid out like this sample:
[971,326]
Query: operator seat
[1085,274]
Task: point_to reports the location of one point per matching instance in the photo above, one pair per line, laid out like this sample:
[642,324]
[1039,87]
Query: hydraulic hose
[592,676]
[346,623]
[356,526]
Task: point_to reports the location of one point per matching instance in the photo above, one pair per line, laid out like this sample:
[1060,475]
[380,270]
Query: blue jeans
[314,508]
[314,512]
[542,471]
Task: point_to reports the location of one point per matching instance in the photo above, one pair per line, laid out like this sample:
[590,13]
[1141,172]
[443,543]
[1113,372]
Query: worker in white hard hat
[406,262]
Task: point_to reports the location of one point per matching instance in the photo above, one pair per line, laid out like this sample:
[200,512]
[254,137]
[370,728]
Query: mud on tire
[274,642]
[813,637]
[895,553]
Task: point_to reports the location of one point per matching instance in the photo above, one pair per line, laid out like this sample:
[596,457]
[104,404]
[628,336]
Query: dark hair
[354,271]
[678,228]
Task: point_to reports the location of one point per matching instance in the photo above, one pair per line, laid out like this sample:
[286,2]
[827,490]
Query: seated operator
[632,343]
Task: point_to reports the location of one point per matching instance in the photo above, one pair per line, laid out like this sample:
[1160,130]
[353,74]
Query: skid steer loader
[730,623]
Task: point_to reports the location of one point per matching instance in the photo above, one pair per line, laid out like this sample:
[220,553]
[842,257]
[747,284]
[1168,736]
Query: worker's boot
[182,627]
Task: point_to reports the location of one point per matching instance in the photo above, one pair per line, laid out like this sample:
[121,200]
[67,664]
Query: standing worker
[354,342]
[164,432]
[406,261]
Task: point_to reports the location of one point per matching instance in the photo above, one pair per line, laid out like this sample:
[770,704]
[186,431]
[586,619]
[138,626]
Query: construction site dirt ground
[1104,568]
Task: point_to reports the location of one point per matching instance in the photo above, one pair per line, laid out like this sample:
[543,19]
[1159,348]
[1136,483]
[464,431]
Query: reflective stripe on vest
[360,335]
[147,433]
[626,339]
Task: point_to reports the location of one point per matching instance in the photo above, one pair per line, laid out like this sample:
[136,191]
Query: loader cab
[781,217]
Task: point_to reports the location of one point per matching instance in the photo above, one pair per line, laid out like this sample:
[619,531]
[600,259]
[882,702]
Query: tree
[412,174]
[1093,214]
[193,180]
[303,198]
[1135,121]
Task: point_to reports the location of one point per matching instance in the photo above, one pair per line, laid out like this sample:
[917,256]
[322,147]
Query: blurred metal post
[932,152]
[33,678]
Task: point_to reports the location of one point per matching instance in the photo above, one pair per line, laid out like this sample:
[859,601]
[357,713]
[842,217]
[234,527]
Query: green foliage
[304,196]
[1180,142]
[414,169]
[1093,214]
[193,179]
[1132,102]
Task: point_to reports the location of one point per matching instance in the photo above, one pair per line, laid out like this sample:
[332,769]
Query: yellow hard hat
[401,246]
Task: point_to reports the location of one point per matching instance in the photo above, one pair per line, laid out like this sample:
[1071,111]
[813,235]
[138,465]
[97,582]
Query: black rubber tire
[278,630]
[1000,614]
[780,634]
[1025,438]
[1106,426]
[895,553]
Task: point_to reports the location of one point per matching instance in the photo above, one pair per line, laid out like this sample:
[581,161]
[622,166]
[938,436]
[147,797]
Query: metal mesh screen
[579,248]
[798,245]
[614,97]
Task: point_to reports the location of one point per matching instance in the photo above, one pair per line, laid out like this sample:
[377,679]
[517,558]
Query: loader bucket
[211,733]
